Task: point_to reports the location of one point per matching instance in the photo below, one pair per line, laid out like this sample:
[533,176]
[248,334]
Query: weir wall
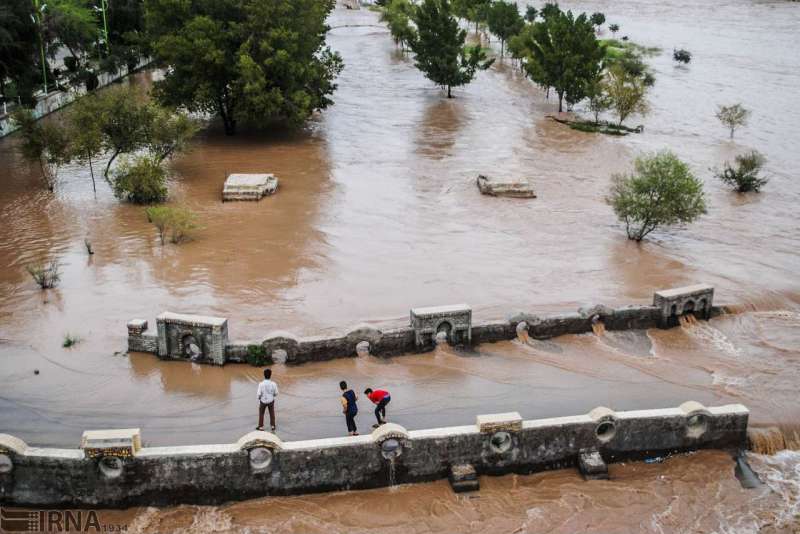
[420,336]
[111,469]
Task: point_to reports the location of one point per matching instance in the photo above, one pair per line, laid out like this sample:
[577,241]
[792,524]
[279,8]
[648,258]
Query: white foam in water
[704,332]
[783,478]
[719,379]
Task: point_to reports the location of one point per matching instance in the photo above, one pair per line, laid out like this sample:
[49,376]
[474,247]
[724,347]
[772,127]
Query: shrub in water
[141,181]
[682,56]
[177,222]
[46,275]
[744,176]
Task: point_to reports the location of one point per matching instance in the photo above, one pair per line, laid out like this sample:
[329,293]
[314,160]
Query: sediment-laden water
[378,212]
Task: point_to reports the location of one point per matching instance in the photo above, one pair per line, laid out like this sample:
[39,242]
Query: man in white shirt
[267,391]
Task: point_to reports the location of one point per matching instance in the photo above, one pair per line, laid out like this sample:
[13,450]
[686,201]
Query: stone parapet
[260,464]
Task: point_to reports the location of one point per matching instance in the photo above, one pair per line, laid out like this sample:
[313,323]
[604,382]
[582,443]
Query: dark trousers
[350,417]
[380,410]
[261,408]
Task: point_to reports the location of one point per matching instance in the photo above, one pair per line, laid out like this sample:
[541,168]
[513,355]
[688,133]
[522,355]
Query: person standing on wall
[349,407]
[267,391]
[380,397]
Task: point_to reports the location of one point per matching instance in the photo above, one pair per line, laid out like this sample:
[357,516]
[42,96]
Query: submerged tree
[504,21]
[744,177]
[564,53]
[597,98]
[141,180]
[397,16]
[244,60]
[625,93]
[597,18]
[614,28]
[439,49]
[661,191]
[85,131]
[682,56]
[175,222]
[733,116]
[46,143]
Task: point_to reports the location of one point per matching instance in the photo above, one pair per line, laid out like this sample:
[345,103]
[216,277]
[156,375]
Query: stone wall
[113,470]
[453,322]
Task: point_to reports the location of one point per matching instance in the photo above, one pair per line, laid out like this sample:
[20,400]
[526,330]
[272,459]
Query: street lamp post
[37,19]
[104,7]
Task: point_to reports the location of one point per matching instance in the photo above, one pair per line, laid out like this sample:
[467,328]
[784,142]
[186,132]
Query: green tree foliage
[625,92]
[504,21]
[141,180]
[472,10]
[661,191]
[733,116]
[597,18]
[245,60]
[597,98]
[614,28]
[124,117]
[397,16]
[439,48]
[744,176]
[126,29]
[46,143]
[19,49]
[85,132]
[564,53]
[71,23]
[168,132]
[682,56]
[531,13]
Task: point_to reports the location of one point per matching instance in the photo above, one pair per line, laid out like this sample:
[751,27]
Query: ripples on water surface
[378,212]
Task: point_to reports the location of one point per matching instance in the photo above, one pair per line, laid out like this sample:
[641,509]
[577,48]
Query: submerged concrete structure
[522,189]
[672,303]
[111,469]
[454,322]
[249,186]
[205,339]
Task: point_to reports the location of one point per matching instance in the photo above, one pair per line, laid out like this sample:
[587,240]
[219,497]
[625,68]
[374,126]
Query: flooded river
[378,212]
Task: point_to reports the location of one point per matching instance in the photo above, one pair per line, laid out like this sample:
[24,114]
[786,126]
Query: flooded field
[378,212]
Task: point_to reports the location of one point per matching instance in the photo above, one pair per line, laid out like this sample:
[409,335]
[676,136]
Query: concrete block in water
[122,442]
[499,422]
[463,477]
[591,465]
[522,189]
[249,186]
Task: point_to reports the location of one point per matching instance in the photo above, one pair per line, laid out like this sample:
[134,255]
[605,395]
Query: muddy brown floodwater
[378,212]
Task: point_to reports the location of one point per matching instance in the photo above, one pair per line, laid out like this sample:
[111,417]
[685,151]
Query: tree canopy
[397,16]
[504,21]
[563,53]
[439,48]
[733,116]
[625,92]
[661,191]
[245,60]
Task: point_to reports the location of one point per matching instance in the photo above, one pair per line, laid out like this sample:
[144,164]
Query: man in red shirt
[381,398]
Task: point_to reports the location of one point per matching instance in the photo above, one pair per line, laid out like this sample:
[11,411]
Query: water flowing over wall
[112,469]
[176,333]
